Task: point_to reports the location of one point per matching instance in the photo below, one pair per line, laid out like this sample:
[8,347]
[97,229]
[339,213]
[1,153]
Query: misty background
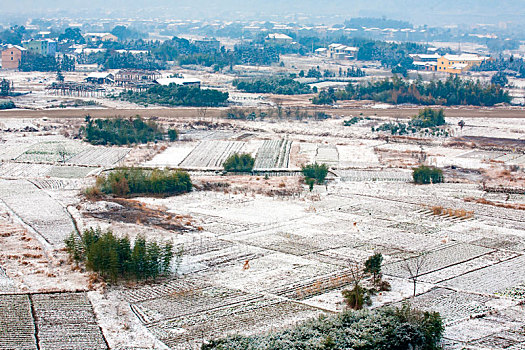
[432,12]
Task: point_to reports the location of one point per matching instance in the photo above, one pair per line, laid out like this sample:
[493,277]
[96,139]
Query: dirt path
[461,112]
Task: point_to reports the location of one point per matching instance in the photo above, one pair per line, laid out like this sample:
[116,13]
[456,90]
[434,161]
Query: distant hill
[416,11]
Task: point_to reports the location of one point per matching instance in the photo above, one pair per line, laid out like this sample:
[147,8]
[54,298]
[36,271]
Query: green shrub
[7,105]
[425,175]
[315,171]
[239,163]
[428,118]
[131,181]
[385,328]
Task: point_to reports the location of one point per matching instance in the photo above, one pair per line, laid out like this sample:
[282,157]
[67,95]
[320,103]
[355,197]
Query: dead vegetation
[517,206]
[135,212]
[273,186]
[457,213]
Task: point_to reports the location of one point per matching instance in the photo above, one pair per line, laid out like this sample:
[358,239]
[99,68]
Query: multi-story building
[342,52]
[11,56]
[95,37]
[457,64]
[45,47]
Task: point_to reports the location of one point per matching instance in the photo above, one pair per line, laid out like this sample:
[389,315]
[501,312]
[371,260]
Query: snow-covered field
[255,262]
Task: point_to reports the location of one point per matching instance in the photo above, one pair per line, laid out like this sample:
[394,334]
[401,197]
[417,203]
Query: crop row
[261,315]
[17,330]
[99,156]
[211,154]
[363,175]
[66,318]
[37,209]
[273,154]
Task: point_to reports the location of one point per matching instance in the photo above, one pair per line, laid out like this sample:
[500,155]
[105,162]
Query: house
[100,78]
[192,82]
[44,47]
[11,56]
[425,61]
[135,76]
[100,37]
[279,38]
[342,52]
[321,51]
[459,63]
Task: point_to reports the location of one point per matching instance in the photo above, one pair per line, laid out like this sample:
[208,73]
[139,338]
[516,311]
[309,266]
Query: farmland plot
[99,156]
[327,154]
[452,305]
[37,209]
[211,154]
[51,151]
[273,154]
[12,149]
[66,318]
[254,316]
[17,330]
[366,175]
[172,156]
[12,170]
[70,172]
[493,279]
[439,259]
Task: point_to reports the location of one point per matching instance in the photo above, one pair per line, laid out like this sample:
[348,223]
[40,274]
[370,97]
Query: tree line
[115,258]
[452,91]
[45,63]
[175,95]
[120,131]
[275,85]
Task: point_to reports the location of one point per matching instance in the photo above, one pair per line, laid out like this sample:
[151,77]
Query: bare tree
[414,267]
[202,111]
[62,153]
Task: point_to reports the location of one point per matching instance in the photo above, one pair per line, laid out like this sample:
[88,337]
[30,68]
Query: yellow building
[457,64]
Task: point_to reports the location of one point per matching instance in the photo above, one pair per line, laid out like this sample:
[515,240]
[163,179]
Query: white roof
[321,49]
[279,36]
[465,57]
[99,35]
[9,46]
[99,75]
[425,56]
[178,81]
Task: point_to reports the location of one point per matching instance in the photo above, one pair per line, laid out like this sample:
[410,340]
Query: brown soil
[135,212]
[404,112]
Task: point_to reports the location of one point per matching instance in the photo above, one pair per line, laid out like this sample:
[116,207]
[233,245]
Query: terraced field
[211,154]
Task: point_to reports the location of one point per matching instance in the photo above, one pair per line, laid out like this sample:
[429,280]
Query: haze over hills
[431,12]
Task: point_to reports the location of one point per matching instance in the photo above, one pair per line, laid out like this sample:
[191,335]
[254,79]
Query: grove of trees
[174,95]
[136,181]
[275,85]
[452,91]
[425,175]
[120,131]
[115,258]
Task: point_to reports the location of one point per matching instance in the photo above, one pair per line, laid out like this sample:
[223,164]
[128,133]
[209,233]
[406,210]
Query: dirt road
[462,112]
